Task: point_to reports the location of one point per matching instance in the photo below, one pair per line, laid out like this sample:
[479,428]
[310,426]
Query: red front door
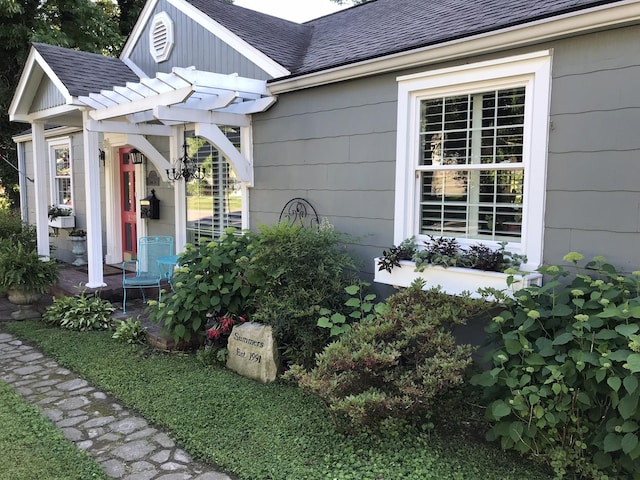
[128,205]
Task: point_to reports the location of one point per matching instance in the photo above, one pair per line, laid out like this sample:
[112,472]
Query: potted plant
[25,275]
[443,261]
[61,217]
[78,239]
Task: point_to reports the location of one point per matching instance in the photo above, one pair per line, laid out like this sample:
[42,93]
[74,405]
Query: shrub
[130,331]
[211,282]
[304,269]
[15,230]
[565,378]
[81,312]
[389,369]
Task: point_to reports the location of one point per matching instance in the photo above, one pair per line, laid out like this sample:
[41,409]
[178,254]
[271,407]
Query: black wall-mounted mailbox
[150,207]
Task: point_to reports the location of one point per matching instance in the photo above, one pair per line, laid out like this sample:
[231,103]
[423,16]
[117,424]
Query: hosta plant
[80,312]
[565,378]
[130,331]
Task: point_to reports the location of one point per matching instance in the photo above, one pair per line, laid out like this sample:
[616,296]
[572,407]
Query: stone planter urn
[79,249]
[25,301]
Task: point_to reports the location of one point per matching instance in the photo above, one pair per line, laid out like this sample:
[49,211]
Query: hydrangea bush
[565,378]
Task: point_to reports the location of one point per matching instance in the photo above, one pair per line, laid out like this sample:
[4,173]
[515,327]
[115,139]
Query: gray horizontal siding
[593,186]
[335,146]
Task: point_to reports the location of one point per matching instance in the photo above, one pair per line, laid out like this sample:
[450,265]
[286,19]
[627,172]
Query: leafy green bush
[566,376]
[81,312]
[389,369]
[14,229]
[130,331]
[22,268]
[304,269]
[212,281]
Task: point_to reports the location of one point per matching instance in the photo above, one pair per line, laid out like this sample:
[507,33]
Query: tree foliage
[98,27]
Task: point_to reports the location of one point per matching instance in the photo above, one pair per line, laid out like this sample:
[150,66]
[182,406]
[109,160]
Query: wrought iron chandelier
[186,167]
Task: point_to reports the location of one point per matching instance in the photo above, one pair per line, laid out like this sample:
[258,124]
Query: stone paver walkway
[126,445]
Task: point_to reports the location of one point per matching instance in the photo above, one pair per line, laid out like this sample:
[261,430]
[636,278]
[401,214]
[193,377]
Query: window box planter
[63,221]
[453,280]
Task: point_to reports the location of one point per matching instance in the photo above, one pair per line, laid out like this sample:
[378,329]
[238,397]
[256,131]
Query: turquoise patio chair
[148,272]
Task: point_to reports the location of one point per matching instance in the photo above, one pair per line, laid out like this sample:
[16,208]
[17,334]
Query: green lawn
[32,448]
[261,432]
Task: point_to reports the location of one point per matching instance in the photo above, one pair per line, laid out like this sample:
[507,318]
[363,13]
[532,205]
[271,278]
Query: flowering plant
[219,329]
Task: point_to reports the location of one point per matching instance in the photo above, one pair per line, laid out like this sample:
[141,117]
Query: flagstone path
[125,444]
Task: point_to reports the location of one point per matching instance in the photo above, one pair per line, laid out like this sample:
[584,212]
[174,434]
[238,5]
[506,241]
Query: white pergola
[155,106]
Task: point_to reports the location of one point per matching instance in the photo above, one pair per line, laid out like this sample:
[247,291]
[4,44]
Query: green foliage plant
[565,377]
[387,370]
[14,229]
[130,331]
[304,269]
[212,280]
[359,307]
[447,252]
[22,268]
[80,312]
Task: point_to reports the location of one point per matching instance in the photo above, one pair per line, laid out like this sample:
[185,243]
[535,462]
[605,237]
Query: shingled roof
[83,72]
[378,28]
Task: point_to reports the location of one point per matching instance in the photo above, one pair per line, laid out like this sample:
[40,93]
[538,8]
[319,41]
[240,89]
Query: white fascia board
[136,69]
[252,54]
[626,12]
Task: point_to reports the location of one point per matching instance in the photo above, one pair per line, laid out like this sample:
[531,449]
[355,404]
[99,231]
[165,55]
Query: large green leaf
[626,330]
[629,442]
[628,405]
[630,383]
[614,382]
[561,310]
[563,338]
[612,442]
[500,409]
[633,361]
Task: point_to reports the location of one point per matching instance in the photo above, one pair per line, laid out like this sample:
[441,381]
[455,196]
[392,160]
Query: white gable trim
[32,74]
[252,54]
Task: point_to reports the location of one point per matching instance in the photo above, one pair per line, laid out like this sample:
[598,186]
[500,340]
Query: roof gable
[62,74]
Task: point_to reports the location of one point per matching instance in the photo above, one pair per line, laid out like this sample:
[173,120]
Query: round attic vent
[161,37]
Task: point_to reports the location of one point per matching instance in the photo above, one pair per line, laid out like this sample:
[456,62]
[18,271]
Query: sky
[294,10]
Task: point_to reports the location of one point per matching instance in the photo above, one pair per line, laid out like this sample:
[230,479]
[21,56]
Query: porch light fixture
[185,167]
[136,156]
[101,155]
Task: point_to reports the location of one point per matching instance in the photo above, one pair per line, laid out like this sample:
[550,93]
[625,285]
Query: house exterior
[488,121]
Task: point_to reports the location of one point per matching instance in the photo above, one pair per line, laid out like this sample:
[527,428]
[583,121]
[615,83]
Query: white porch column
[179,192]
[94,214]
[40,161]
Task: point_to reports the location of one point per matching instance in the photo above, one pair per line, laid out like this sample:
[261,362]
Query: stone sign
[253,352]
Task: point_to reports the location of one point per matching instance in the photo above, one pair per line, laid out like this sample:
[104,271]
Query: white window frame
[533,71]
[53,145]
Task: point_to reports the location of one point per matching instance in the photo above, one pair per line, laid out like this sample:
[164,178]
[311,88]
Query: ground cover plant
[255,431]
[565,381]
[32,448]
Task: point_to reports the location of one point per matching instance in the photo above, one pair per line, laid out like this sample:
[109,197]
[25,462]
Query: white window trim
[531,70]
[52,144]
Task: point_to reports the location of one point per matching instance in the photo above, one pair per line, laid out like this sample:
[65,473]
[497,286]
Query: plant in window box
[61,217]
[78,239]
[444,262]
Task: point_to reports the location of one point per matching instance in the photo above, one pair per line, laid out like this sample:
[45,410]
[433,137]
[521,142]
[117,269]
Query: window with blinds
[214,203]
[471,170]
